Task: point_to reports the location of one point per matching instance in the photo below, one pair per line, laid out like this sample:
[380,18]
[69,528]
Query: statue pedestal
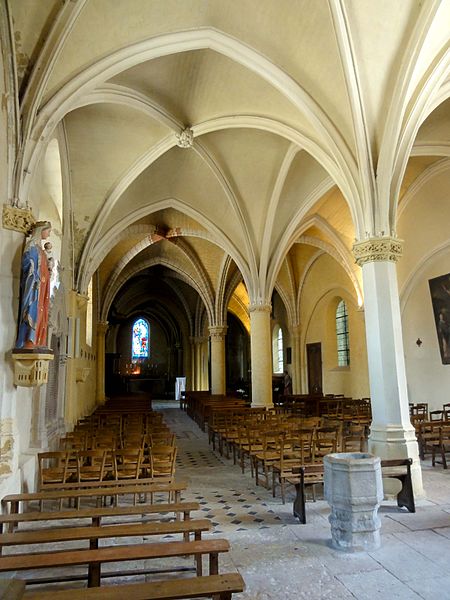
[31,368]
[354,490]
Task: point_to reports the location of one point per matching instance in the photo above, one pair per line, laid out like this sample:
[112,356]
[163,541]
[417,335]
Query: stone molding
[378,249]
[218,332]
[260,307]
[17,219]
[185,139]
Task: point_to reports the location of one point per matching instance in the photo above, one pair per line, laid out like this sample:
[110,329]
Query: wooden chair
[92,465]
[441,446]
[437,415]
[166,438]
[266,456]
[326,440]
[354,438]
[427,435]
[128,463]
[292,456]
[54,468]
[446,409]
[162,462]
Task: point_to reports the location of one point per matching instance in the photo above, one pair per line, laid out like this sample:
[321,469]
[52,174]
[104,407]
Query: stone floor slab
[377,585]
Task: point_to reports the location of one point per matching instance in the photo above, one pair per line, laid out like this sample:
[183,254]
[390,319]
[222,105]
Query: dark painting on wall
[440,297]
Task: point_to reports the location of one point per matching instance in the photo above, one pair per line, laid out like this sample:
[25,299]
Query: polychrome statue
[34,290]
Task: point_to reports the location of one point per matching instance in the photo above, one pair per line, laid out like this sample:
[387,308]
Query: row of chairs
[274,443]
[104,439]
[433,437]
[419,412]
[62,467]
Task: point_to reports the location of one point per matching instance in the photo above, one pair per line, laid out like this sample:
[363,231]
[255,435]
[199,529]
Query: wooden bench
[11,589]
[97,514]
[307,475]
[401,469]
[219,586]
[148,487]
[92,534]
[94,558]
[106,483]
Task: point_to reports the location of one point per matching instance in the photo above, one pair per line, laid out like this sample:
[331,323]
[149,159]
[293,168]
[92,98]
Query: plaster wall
[324,286]
[428,379]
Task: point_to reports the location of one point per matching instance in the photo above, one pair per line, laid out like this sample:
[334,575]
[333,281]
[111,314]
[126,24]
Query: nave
[279,558]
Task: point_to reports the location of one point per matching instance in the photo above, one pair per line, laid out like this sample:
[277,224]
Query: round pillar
[391,432]
[102,328]
[261,354]
[218,372]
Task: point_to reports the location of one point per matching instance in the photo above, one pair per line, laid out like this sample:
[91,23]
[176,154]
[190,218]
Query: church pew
[221,587]
[94,558]
[104,490]
[97,514]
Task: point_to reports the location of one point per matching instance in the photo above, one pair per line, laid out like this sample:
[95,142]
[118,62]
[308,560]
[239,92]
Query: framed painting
[440,298]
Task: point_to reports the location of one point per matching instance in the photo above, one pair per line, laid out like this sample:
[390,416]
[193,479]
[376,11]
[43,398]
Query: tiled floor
[281,559]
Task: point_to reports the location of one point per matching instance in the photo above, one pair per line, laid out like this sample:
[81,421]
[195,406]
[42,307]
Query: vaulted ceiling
[229,141]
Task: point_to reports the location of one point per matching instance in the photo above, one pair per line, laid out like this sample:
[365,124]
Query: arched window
[277,350]
[140,339]
[343,344]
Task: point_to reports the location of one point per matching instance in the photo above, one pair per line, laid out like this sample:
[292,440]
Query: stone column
[391,432]
[261,354]
[193,369]
[218,374]
[197,364]
[296,360]
[102,328]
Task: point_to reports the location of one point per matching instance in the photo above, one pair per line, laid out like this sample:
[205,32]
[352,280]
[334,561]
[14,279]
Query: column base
[395,441]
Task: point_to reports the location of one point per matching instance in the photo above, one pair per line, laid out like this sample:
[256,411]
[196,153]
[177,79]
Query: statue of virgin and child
[35,290]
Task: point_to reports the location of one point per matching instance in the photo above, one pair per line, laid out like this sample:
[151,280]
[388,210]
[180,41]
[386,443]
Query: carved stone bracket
[31,368]
[185,139]
[17,219]
[82,301]
[81,374]
[377,250]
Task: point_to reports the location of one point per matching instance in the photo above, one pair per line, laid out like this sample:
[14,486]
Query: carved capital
[82,301]
[380,249]
[102,327]
[260,307]
[185,139]
[17,219]
[218,332]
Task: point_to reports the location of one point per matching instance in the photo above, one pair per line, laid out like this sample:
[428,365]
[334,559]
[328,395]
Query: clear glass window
[343,343]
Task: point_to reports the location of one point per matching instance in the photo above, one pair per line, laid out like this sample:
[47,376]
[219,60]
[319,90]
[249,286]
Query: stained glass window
[140,339]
